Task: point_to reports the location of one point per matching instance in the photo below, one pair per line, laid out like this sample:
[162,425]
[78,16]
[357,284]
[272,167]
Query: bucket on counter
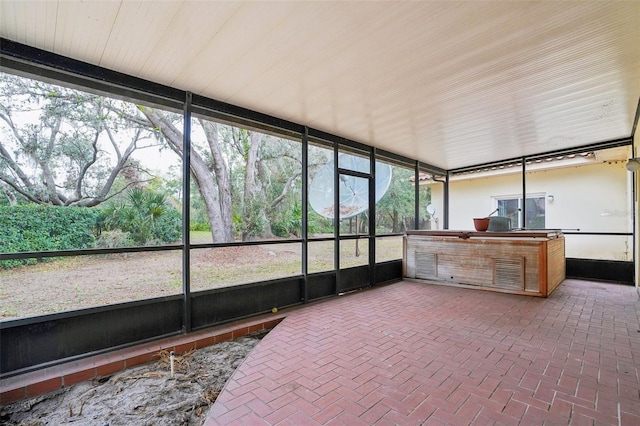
[499,224]
[481,223]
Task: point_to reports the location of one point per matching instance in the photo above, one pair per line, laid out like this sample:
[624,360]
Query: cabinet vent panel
[509,273]
[426,265]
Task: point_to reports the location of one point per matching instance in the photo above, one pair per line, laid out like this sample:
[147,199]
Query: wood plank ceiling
[451,83]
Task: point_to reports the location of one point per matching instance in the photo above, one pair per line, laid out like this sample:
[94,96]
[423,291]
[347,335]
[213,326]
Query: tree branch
[236,138]
[113,143]
[285,154]
[54,196]
[83,172]
[171,134]
[6,117]
[94,201]
[135,119]
[122,162]
[284,192]
[22,192]
[10,196]
[5,154]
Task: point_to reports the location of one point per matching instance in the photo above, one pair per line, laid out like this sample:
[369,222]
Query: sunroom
[169,167]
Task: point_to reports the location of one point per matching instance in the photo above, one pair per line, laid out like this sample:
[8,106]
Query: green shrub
[35,227]
[199,226]
[168,227]
[251,221]
[288,222]
[145,215]
[318,224]
[114,239]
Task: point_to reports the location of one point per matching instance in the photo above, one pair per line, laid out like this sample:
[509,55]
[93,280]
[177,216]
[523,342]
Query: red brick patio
[411,353]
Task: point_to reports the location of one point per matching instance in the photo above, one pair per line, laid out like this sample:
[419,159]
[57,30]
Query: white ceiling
[450,83]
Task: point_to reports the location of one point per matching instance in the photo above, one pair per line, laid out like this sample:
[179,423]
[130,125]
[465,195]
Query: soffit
[452,84]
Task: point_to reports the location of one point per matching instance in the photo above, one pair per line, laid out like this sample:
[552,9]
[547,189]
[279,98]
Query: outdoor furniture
[520,262]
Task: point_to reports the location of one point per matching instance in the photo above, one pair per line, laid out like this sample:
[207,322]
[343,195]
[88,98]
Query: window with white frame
[511,207]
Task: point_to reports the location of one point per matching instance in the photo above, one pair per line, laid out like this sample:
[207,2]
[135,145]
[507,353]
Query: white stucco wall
[471,198]
[437,200]
[594,198]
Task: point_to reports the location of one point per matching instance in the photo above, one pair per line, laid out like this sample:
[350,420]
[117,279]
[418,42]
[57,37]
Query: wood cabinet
[520,262]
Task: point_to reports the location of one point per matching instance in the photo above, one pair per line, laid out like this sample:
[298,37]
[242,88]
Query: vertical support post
[634,202]
[634,225]
[634,209]
[445,219]
[372,217]
[336,217]
[523,214]
[305,214]
[416,189]
[186,214]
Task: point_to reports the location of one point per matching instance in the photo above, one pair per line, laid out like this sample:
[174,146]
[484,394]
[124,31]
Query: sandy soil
[144,395]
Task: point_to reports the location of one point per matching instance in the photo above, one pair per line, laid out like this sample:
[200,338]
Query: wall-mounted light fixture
[633,165]
[550,198]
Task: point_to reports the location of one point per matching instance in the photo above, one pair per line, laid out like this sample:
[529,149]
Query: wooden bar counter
[518,262]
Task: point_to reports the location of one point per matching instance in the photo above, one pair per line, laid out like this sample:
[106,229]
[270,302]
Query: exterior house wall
[469,198]
[437,201]
[592,198]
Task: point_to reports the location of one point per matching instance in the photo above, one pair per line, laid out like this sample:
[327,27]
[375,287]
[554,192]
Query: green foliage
[145,215]
[168,227]
[251,224]
[397,206]
[199,226]
[114,239]
[288,223]
[34,227]
[318,224]
[273,206]
[199,217]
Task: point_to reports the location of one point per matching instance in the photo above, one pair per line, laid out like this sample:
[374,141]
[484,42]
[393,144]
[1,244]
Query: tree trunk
[208,190]
[250,178]
[222,177]
[395,221]
[201,175]
[47,174]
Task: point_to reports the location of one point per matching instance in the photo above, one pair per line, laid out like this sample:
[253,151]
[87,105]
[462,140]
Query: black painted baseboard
[614,271]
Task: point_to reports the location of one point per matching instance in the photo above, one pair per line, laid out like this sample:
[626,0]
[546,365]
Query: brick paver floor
[413,353]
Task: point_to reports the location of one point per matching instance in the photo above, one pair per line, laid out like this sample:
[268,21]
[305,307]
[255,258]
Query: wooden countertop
[546,234]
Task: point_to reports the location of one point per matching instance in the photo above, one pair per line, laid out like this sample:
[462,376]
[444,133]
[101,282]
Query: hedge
[34,227]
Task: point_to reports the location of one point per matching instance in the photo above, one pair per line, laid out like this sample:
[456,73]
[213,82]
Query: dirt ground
[85,281]
[70,283]
[144,395]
